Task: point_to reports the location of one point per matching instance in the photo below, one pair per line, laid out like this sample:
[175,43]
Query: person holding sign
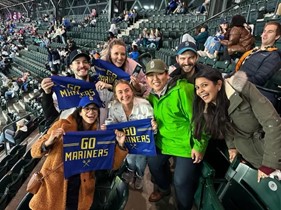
[172,104]
[117,55]
[79,63]
[128,107]
[77,191]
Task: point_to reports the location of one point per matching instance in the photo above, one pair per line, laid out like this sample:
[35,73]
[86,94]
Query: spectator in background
[203,8]
[12,135]
[66,23]
[172,5]
[212,48]
[93,22]
[182,8]
[135,53]
[93,13]
[239,40]
[113,29]
[202,37]
[12,90]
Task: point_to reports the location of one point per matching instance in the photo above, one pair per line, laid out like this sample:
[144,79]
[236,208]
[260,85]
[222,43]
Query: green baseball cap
[156,66]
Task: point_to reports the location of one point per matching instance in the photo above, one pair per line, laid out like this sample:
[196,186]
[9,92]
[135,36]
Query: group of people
[193,100]
[230,42]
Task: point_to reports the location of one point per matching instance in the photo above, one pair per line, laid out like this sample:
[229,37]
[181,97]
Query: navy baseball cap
[185,46]
[76,54]
[86,100]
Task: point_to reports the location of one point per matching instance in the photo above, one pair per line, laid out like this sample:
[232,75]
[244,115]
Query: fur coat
[52,194]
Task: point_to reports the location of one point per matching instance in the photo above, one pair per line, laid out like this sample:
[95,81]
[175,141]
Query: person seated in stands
[202,37]
[13,135]
[66,23]
[181,8]
[116,54]
[223,28]
[239,39]
[71,45]
[172,5]
[202,9]
[135,53]
[113,29]
[212,48]
[235,109]
[12,90]
[134,16]
[93,22]
[143,38]
[23,81]
[76,192]
[263,61]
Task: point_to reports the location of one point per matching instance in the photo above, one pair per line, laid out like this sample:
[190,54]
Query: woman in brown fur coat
[77,192]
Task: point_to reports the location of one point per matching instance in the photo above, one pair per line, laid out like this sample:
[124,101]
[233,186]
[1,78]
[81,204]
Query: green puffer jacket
[173,114]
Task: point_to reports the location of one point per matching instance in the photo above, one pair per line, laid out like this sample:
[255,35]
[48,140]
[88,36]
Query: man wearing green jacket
[172,104]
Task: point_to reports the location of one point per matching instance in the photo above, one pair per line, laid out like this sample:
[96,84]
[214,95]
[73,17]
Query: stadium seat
[221,65]
[111,193]
[210,62]
[28,167]
[244,192]
[3,170]
[205,196]
[24,203]
[202,60]
[3,198]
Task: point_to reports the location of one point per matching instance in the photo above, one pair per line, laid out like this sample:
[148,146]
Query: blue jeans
[186,176]
[9,135]
[136,163]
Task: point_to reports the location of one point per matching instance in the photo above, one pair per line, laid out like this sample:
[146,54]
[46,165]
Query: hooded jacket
[257,135]
[52,193]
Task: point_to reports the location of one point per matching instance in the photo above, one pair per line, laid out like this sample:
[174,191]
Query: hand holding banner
[69,91]
[139,136]
[85,151]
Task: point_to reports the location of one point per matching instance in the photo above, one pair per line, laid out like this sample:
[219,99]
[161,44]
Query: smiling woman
[77,191]
[117,55]
[234,109]
[128,107]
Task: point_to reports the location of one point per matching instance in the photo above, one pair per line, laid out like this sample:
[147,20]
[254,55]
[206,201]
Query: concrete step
[22,104]
[18,108]
[127,30]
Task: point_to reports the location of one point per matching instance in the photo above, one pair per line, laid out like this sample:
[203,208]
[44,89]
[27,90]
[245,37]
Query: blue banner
[107,72]
[139,136]
[69,91]
[88,151]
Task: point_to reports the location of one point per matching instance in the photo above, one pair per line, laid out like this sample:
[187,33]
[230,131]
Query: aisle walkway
[138,200]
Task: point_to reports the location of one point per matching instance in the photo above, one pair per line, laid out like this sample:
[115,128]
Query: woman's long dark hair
[216,120]
[79,120]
